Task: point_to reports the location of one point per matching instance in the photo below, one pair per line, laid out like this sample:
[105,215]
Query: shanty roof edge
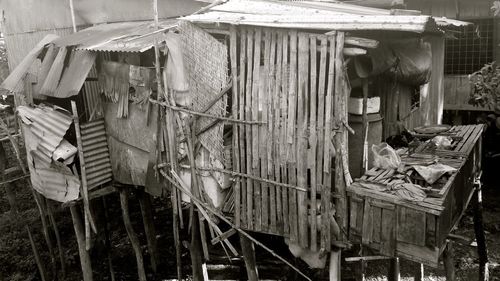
[117,37]
[316,15]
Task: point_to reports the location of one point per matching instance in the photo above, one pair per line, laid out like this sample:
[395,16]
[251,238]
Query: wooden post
[195,249]
[248,251]
[364,163]
[84,188]
[480,237]
[334,270]
[449,265]
[39,199]
[393,274]
[420,273]
[53,222]
[108,243]
[149,228]
[80,238]
[131,234]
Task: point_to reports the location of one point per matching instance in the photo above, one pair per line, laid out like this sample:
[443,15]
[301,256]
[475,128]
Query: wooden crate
[417,230]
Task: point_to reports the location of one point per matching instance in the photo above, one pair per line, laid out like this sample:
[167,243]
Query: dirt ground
[17,263]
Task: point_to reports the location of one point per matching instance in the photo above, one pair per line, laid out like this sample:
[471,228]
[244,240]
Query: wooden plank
[303,61]
[411,226]
[234,110]
[263,130]
[241,129]
[377,223]
[271,129]
[430,230]
[313,140]
[367,228]
[277,131]
[283,143]
[248,116]
[292,90]
[255,129]
[388,237]
[290,136]
[321,121]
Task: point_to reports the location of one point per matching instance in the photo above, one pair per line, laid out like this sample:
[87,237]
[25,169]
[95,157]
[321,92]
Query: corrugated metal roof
[73,78]
[315,15]
[121,37]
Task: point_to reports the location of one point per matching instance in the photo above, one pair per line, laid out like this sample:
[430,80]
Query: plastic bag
[385,157]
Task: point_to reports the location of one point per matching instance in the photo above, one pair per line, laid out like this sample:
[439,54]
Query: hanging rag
[176,74]
[433,172]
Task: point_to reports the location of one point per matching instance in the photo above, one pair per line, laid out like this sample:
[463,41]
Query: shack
[243,110]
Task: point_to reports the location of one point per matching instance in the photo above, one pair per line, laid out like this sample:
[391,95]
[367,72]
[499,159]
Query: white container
[356,105]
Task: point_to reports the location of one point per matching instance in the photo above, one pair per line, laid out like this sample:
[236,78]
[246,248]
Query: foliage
[485,86]
[496,8]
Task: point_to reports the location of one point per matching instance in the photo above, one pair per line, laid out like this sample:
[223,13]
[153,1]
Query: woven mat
[206,63]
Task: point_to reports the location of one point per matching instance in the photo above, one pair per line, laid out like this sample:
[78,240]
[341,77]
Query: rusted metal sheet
[119,37]
[310,15]
[48,125]
[73,78]
[129,163]
[44,129]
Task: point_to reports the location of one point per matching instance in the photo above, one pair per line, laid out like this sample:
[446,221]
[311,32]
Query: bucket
[356,141]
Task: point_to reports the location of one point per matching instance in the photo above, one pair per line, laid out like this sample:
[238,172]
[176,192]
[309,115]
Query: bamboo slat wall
[289,80]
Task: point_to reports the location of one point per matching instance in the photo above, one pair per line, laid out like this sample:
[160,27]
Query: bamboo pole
[192,112]
[201,205]
[134,240]
[89,222]
[364,162]
[149,227]
[80,238]
[108,242]
[73,20]
[53,222]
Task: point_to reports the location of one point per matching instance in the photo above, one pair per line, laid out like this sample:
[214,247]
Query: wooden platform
[416,230]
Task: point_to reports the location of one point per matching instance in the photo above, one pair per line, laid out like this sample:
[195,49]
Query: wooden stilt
[80,237]
[107,240]
[40,202]
[195,249]
[359,268]
[132,235]
[393,274]
[420,273]
[149,228]
[248,250]
[53,222]
[11,197]
[334,269]
[449,265]
[38,260]
[480,237]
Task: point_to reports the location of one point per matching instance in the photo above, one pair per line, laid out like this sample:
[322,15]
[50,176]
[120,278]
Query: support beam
[334,270]
[134,240]
[149,227]
[80,238]
[248,250]
[480,237]
[449,265]
[393,274]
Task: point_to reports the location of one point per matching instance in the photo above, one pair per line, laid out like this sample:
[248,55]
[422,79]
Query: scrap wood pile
[421,170]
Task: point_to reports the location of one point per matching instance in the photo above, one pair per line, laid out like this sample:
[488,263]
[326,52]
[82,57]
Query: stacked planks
[288,80]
